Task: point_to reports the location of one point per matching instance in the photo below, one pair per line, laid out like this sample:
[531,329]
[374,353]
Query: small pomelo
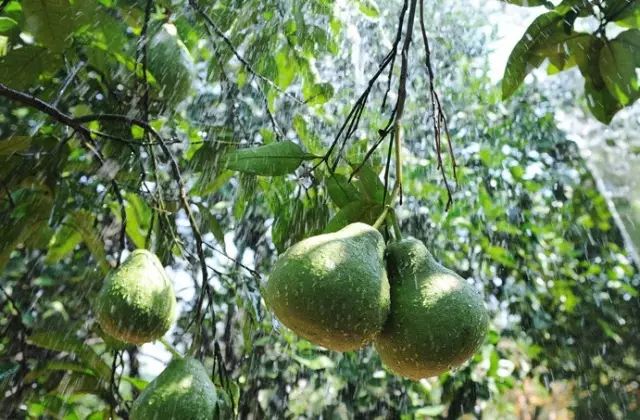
[183,391]
[136,303]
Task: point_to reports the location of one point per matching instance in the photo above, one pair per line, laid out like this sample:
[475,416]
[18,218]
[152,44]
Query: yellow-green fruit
[437,320]
[171,65]
[136,303]
[332,289]
[183,391]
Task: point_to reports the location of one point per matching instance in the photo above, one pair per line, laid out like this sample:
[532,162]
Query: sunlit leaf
[522,61]
[368,8]
[317,363]
[6,24]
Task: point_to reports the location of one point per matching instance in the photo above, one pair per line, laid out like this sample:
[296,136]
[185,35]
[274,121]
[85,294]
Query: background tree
[101,154]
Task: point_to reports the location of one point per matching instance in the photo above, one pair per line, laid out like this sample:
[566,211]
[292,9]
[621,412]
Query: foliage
[107,168]
[608,64]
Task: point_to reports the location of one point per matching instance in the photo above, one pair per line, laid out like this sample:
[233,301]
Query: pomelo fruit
[183,391]
[437,320]
[332,289]
[136,303]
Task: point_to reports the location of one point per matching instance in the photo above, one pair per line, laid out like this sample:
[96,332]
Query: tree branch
[75,124]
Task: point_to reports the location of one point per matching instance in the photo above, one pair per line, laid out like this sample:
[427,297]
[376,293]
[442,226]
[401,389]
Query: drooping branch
[351,123]
[77,125]
[182,192]
[439,117]
[402,96]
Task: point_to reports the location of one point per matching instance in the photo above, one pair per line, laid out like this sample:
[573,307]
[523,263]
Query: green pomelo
[171,65]
[136,303]
[182,391]
[332,289]
[437,320]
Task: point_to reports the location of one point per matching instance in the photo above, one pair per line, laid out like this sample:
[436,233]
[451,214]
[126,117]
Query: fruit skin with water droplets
[437,320]
[332,289]
[136,303]
[183,391]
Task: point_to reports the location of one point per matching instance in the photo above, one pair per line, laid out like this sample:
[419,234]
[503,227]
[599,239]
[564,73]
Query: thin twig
[439,118]
[235,52]
[235,261]
[396,43]
[402,95]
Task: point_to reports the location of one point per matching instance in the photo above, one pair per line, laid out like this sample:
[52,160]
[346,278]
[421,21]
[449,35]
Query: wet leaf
[274,159]
[619,60]
[65,341]
[522,59]
[14,144]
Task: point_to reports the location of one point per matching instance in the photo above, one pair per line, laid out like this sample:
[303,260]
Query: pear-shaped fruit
[171,65]
[332,289]
[136,303]
[437,320]
[183,391]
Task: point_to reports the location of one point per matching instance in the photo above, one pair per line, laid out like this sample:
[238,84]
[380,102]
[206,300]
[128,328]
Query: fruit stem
[396,226]
[174,352]
[387,208]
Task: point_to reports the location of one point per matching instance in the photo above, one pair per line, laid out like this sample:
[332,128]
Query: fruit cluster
[137,305]
[344,290]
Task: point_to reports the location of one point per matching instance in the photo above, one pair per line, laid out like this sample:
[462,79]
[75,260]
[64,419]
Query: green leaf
[138,219]
[317,363]
[6,24]
[317,93]
[574,8]
[83,221]
[623,12]
[530,3]
[522,59]
[62,243]
[274,159]
[14,144]
[368,8]
[357,211]
[7,372]
[53,21]
[369,184]
[602,104]
[56,366]
[139,384]
[501,255]
[27,220]
[619,60]
[22,67]
[341,191]
[65,341]
[287,68]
